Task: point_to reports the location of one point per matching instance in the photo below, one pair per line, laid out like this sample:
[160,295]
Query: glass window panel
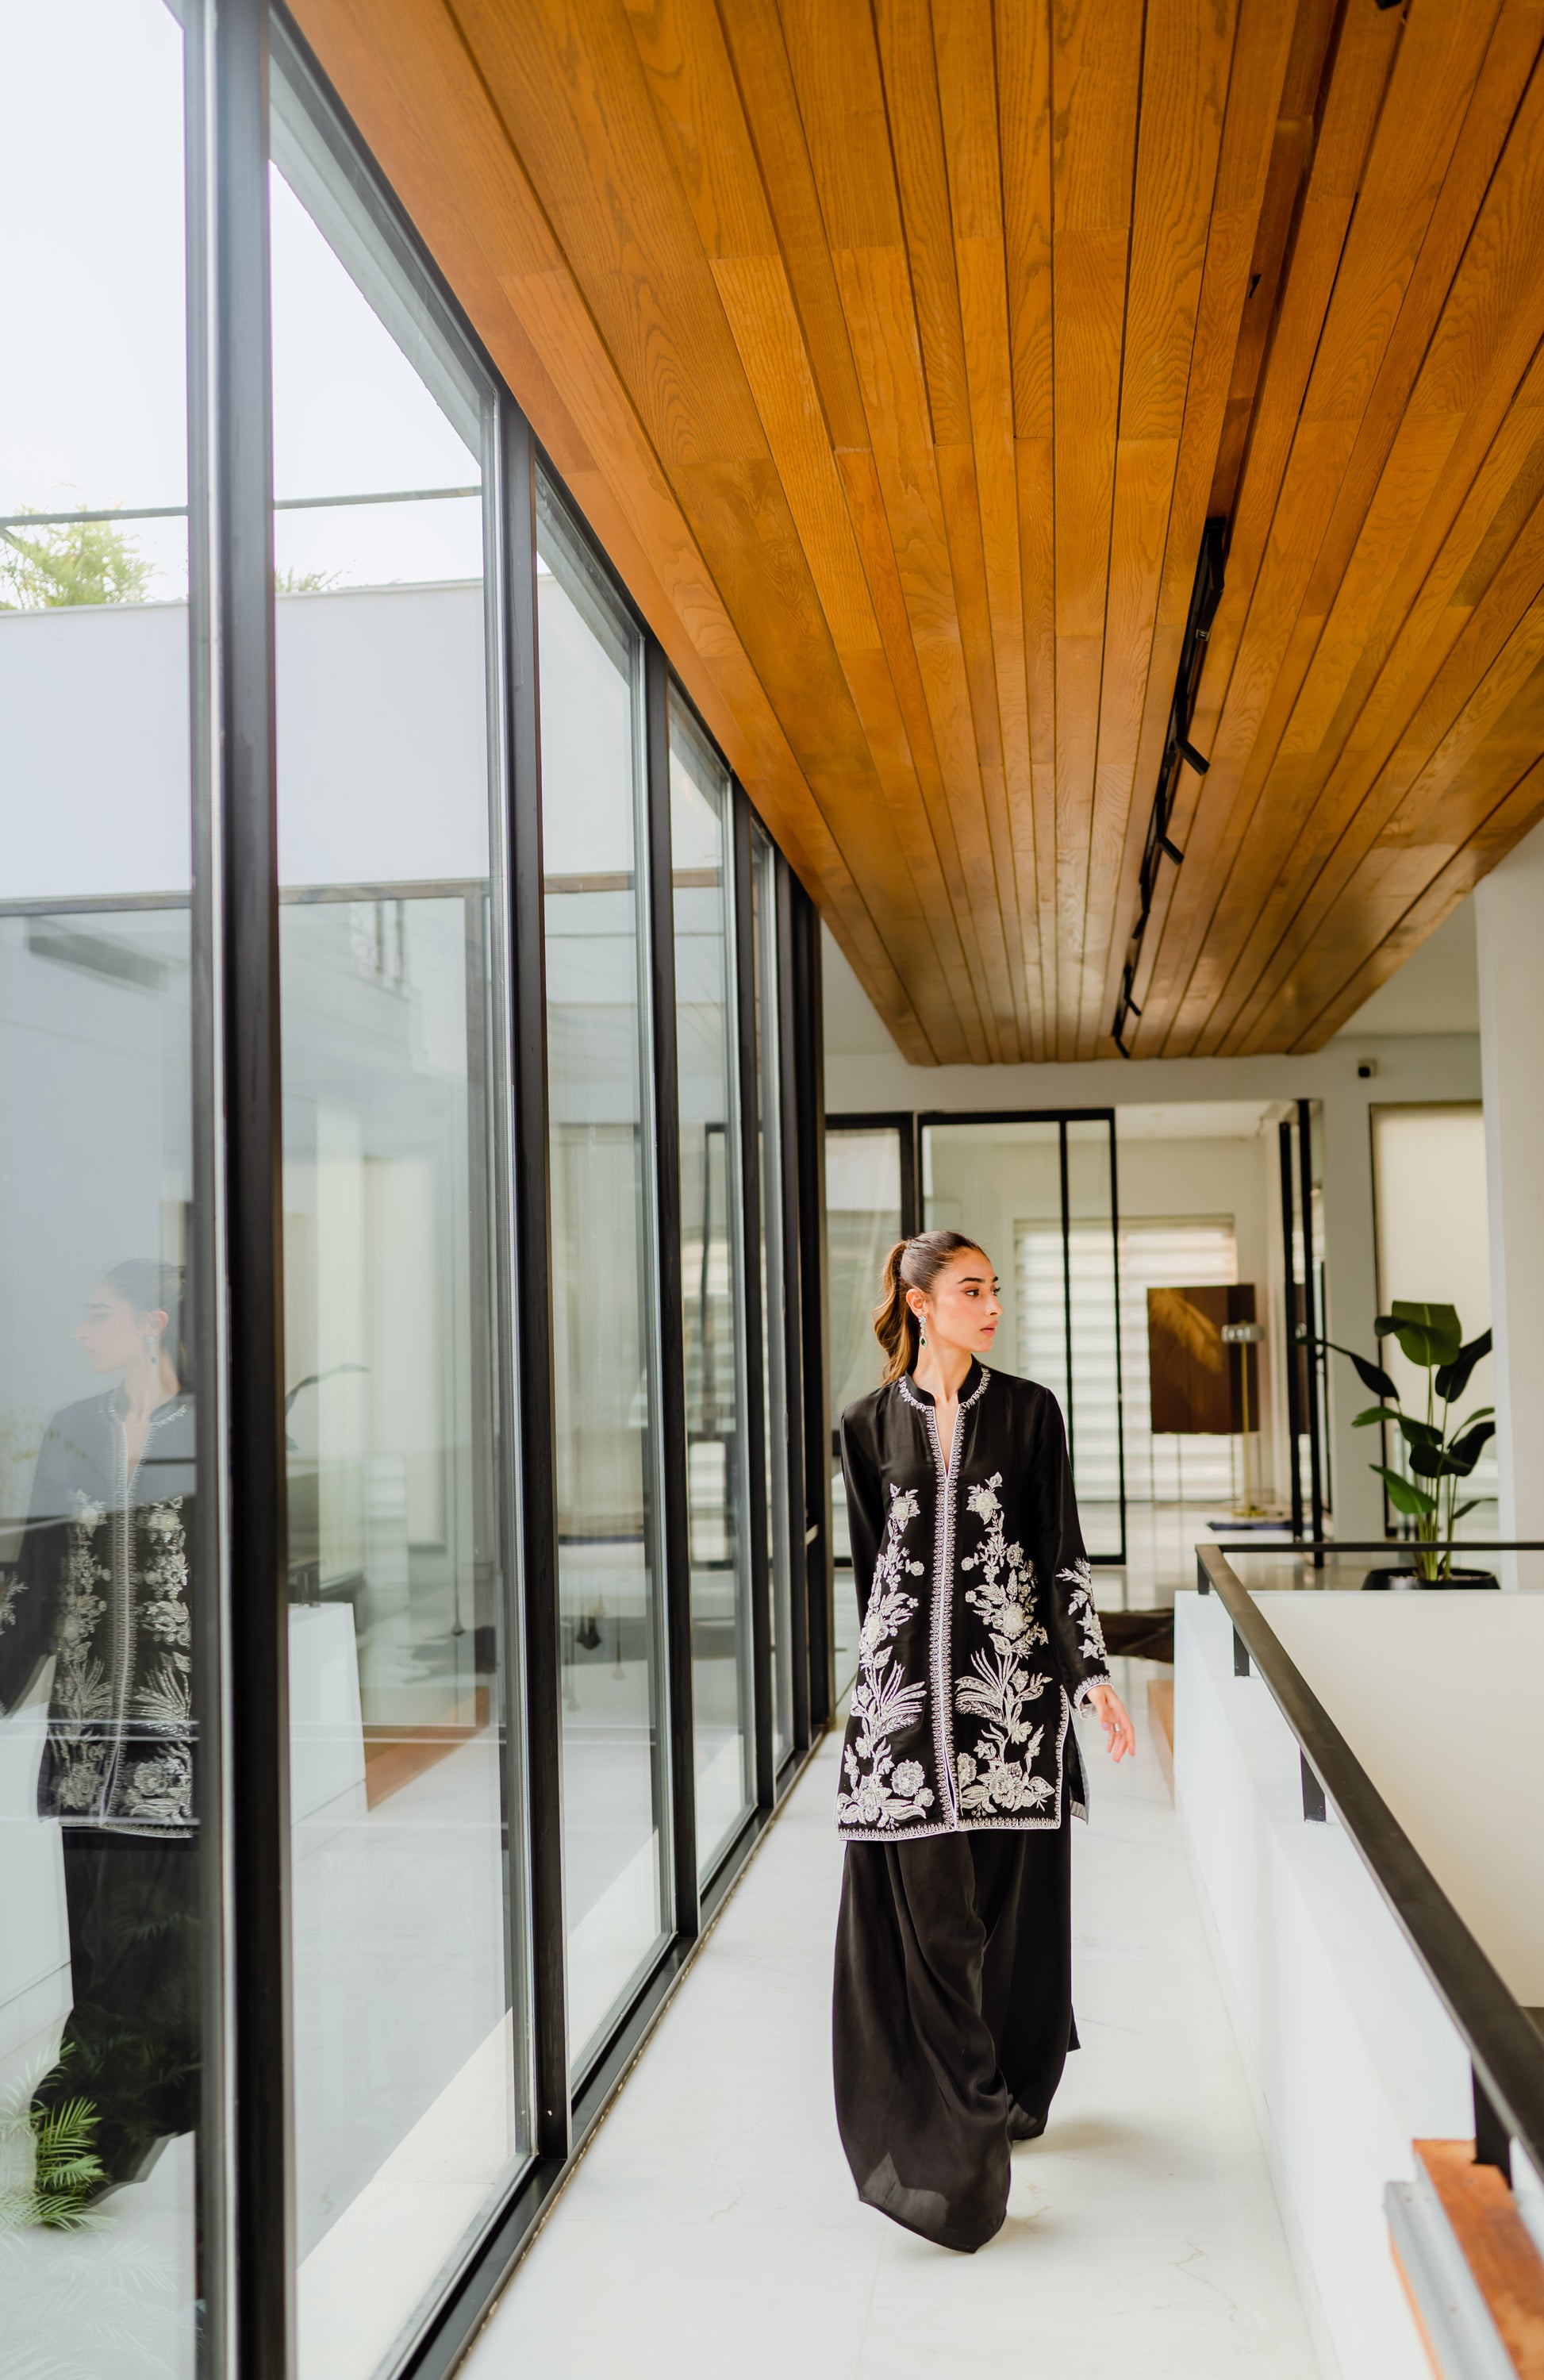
[104,1526]
[410,2041]
[1003,1181]
[713,1296]
[614,1826]
[863,1224]
[774,1278]
[985,1180]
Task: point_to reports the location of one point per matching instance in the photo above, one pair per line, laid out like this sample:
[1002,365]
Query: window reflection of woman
[117,1336]
[101,1589]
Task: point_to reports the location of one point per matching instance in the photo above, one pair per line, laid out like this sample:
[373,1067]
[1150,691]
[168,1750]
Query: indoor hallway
[713,2225]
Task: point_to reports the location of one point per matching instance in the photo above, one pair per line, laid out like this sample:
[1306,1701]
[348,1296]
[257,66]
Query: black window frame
[247,2266]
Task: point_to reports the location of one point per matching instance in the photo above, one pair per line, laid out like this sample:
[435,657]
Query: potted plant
[1441,1453]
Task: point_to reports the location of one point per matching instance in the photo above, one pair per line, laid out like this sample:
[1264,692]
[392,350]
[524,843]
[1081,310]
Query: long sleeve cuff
[1089,1656]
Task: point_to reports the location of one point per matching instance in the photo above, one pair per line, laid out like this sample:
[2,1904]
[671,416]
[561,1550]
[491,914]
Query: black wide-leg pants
[952,2010]
[131,2043]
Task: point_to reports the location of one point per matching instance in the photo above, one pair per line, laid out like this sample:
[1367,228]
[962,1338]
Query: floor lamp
[1245,1335]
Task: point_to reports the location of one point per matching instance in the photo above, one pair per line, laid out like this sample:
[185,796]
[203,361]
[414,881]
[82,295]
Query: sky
[93,406]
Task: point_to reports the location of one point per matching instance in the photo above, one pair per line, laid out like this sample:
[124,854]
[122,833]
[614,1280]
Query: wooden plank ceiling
[898,354]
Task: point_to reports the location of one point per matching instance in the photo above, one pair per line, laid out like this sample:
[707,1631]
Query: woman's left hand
[1114,1718]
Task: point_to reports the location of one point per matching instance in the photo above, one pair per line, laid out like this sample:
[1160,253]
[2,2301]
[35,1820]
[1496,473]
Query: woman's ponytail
[895,1325]
[912,1264]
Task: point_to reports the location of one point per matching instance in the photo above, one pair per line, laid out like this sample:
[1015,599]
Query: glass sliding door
[410,2036]
[774,1278]
[723,1699]
[604,1353]
[108,1569]
[1039,1194]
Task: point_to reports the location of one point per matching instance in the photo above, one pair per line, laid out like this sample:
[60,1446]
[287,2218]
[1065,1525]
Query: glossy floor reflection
[713,2223]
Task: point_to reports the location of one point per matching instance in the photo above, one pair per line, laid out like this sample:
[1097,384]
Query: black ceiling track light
[1205,597]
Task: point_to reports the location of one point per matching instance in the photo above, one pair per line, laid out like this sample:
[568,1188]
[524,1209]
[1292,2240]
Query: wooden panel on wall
[898,355]
[1196,1379]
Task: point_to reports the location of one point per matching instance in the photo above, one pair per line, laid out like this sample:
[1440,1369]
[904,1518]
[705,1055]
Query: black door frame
[910,1129]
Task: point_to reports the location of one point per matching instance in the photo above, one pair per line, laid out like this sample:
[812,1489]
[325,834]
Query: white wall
[383,723]
[1461,1818]
[1350,2055]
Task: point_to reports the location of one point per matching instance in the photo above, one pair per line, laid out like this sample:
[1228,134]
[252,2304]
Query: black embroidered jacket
[979,1631]
[102,1585]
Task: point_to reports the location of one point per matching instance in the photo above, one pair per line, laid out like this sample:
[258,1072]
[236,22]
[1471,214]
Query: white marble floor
[713,2226]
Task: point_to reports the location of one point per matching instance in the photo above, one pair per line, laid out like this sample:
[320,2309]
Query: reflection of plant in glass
[65,2166]
[70,562]
[291,581]
[85,2298]
[1430,1337]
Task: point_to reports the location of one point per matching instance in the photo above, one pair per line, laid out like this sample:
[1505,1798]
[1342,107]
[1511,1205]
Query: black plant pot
[1403,1581]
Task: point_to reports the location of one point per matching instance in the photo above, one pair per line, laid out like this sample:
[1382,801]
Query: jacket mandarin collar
[968,1385]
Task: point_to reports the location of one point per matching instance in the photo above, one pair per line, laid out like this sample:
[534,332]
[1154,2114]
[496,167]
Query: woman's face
[962,1308]
[112,1334]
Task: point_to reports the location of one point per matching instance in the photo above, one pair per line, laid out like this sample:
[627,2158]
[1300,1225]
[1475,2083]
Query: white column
[1509,914]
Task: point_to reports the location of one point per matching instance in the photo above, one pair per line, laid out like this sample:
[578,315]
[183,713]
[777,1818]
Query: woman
[102,1586]
[953,2005]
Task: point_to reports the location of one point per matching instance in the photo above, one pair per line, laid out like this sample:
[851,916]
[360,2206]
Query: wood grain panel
[967,86]
[1095,73]
[1496,2245]
[1232,699]
[1186,59]
[898,355]
[1438,62]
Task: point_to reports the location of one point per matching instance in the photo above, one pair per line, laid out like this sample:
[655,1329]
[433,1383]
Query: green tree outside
[70,562]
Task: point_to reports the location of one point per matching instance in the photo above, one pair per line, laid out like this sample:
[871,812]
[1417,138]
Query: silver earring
[153,1346]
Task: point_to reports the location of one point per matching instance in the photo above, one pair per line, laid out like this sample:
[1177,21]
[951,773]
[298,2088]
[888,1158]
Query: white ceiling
[1436,990]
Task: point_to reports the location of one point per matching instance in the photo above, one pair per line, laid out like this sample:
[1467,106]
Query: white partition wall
[1350,2055]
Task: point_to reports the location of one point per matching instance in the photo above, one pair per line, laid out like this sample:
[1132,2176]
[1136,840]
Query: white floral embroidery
[162,1789]
[86,1721]
[999,1775]
[166,1573]
[82,1700]
[884,1794]
[1079,1579]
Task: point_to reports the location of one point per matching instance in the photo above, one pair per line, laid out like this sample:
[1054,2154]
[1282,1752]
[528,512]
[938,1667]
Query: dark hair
[152,1288]
[912,1264]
